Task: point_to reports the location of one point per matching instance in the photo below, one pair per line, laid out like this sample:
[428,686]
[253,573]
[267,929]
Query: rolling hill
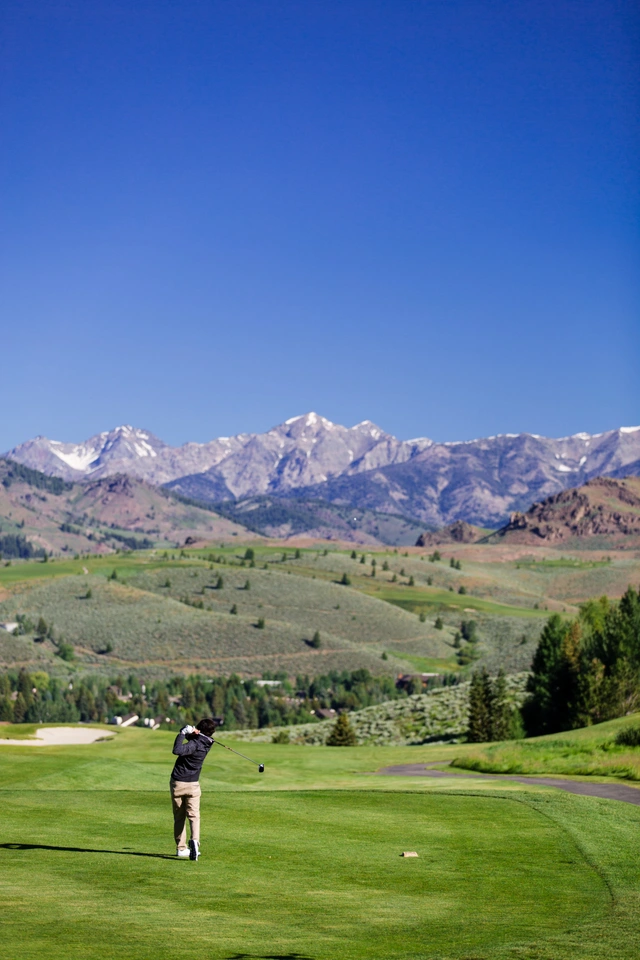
[101,515]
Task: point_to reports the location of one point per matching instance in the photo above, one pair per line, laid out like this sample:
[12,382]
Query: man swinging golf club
[191,748]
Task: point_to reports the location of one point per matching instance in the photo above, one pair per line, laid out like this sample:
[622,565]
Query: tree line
[245,703]
[586,670]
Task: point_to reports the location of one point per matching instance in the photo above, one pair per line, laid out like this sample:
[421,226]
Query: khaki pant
[185,798]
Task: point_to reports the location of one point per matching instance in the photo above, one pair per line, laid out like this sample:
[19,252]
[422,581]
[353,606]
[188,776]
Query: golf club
[260,766]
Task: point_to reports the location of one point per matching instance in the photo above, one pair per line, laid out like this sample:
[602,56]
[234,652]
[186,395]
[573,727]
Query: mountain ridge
[481,481]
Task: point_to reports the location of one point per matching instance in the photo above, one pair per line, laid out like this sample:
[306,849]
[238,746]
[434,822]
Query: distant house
[404,679]
[325,714]
[268,683]
[9,626]
[127,721]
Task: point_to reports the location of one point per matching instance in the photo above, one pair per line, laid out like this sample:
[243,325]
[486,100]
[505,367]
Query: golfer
[191,748]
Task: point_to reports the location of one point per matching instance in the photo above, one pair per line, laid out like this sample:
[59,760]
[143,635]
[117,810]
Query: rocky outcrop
[458,532]
[601,508]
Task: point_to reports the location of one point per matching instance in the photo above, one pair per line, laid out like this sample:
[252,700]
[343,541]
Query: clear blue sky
[217,215]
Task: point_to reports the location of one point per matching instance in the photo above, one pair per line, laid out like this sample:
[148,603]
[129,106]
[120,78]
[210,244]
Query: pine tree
[501,712]
[316,642]
[19,709]
[480,707]
[541,710]
[343,734]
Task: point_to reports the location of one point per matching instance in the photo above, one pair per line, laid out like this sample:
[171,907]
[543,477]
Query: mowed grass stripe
[317,874]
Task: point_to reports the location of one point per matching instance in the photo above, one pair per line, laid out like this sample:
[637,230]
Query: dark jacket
[191,755]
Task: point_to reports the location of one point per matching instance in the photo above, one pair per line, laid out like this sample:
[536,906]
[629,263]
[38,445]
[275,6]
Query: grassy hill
[147,623]
[101,516]
[164,614]
[590,751]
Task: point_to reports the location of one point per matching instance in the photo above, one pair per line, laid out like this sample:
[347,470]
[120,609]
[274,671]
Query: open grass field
[304,860]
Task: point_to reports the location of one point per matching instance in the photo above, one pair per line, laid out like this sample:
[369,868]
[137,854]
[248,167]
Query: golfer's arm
[183,749]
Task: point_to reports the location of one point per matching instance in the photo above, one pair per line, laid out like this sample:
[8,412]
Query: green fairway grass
[304,860]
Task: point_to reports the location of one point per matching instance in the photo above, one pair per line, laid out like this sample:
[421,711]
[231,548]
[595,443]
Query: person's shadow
[268,956]
[46,846]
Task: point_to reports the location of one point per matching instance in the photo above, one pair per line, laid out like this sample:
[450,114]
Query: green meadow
[304,860]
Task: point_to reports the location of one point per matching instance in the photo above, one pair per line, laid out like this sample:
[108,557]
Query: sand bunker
[59,737]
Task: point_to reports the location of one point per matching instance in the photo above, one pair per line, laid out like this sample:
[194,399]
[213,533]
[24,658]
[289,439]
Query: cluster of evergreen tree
[491,717]
[15,545]
[39,698]
[587,670]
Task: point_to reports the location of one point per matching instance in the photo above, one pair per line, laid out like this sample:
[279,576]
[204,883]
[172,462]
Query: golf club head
[261,768]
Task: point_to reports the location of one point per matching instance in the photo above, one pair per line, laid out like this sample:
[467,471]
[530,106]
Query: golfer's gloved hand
[187,729]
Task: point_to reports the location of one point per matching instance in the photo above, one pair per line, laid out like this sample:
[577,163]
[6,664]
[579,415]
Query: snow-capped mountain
[480,481]
[304,450]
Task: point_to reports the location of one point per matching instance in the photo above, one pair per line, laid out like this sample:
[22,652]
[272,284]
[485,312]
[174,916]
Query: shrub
[315,641]
[260,623]
[439,623]
[113,575]
[462,590]
[422,616]
[65,651]
[384,655]
[234,609]
[282,736]
[629,737]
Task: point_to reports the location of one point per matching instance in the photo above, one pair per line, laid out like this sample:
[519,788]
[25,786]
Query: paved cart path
[608,791]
